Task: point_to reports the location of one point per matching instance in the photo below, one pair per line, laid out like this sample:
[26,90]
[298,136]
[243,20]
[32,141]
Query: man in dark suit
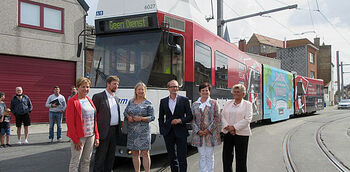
[174,113]
[108,123]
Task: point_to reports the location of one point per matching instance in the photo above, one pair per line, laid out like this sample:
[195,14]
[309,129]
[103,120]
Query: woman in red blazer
[82,126]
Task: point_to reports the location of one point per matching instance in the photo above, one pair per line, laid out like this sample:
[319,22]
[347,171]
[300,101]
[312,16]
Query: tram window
[126,61]
[129,56]
[167,65]
[300,90]
[221,70]
[202,66]
[253,81]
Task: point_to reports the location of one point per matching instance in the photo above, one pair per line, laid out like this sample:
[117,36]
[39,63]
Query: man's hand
[176,121]
[53,105]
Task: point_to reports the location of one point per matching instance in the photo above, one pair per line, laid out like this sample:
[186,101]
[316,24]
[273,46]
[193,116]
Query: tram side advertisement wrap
[278,94]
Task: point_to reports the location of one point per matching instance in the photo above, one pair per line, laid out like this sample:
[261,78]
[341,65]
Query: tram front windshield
[133,57]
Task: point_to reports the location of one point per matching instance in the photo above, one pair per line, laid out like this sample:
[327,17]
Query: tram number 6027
[150,6]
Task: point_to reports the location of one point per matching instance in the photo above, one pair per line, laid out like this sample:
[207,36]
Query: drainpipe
[84,59]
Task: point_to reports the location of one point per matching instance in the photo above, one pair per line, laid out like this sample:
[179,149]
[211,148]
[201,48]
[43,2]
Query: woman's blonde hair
[144,86]
[82,80]
[241,87]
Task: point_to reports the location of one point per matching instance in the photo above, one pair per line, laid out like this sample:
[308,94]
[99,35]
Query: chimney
[242,45]
[317,42]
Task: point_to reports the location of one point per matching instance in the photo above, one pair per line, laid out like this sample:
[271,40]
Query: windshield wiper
[99,72]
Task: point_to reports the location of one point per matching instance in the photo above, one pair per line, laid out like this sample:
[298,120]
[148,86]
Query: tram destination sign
[126,24]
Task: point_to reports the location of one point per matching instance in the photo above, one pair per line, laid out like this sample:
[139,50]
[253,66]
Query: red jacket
[74,119]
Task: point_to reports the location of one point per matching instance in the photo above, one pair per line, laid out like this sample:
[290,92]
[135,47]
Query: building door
[37,77]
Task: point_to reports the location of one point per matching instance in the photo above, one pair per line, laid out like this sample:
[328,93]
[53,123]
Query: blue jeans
[55,116]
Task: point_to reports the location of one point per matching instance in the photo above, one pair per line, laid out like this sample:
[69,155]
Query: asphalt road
[265,152]
[265,148]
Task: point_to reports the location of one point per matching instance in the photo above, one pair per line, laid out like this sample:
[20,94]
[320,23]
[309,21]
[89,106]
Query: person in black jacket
[174,113]
[108,123]
[21,107]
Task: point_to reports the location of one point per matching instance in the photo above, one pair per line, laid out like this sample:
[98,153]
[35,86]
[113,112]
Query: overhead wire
[331,24]
[248,24]
[318,7]
[284,26]
[281,2]
[312,21]
[234,11]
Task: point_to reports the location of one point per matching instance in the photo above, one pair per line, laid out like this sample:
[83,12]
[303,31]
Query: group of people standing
[96,123]
[21,107]
[233,121]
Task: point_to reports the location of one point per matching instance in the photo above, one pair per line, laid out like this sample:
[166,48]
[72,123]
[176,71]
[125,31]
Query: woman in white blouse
[236,118]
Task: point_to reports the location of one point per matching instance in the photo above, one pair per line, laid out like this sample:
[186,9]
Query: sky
[327,19]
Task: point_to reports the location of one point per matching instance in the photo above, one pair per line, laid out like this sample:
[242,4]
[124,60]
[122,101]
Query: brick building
[261,59]
[300,55]
[324,61]
[325,69]
[263,45]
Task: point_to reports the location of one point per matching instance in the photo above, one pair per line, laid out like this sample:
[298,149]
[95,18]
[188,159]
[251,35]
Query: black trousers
[105,152]
[240,144]
[177,160]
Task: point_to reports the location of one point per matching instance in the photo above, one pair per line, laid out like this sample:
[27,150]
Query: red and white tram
[154,41]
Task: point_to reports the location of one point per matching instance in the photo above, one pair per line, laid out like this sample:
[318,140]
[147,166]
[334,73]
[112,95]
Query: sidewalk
[37,128]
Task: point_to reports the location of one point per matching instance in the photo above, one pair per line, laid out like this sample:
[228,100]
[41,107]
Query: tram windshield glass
[136,57]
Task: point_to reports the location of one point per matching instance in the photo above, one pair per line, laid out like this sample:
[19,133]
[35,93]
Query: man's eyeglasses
[173,86]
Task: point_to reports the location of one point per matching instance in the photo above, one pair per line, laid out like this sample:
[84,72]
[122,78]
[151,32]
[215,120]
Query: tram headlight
[129,152]
[121,151]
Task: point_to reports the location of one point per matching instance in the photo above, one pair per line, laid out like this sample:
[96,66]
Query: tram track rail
[287,157]
[330,156]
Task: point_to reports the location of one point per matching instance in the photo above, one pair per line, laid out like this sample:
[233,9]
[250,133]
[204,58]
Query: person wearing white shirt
[236,118]
[174,113]
[108,123]
[57,105]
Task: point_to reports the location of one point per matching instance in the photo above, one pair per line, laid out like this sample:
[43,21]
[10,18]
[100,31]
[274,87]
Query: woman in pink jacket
[236,118]
[82,127]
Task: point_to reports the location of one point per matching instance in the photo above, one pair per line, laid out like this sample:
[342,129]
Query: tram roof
[192,10]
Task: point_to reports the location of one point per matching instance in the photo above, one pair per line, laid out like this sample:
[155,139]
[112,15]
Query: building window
[312,58]
[312,74]
[40,16]
[264,49]
[221,70]
[202,66]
